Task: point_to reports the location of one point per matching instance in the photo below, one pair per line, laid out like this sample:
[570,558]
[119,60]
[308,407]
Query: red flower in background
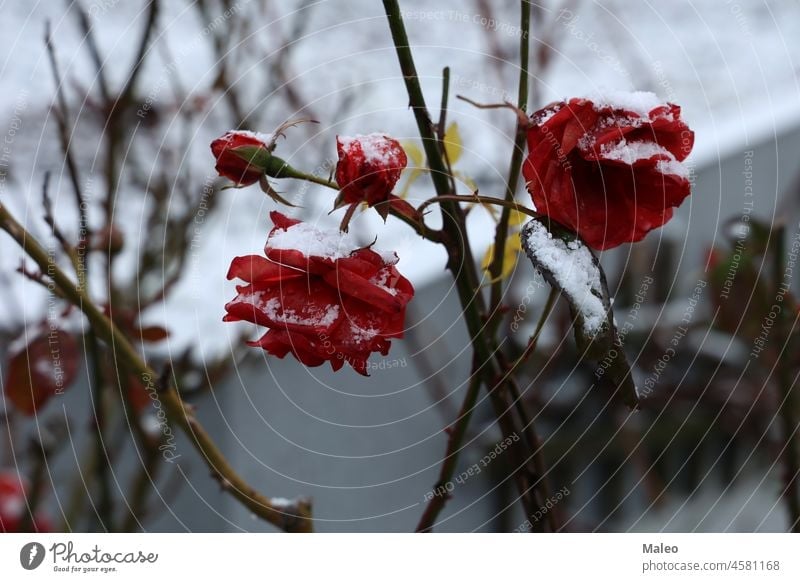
[322,297]
[230,164]
[42,369]
[609,169]
[13,506]
[368,170]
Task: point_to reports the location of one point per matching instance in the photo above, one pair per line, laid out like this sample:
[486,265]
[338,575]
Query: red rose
[322,297]
[609,169]
[369,167]
[13,506]
[229,149]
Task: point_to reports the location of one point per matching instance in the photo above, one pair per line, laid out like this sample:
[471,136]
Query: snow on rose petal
[610,167]
[321,296]
[369,167]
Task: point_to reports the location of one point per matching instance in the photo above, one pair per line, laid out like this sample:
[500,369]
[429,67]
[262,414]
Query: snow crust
[573,267]
[639,102]
[375,146]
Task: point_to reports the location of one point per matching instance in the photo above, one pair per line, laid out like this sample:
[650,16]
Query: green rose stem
[501,237]
[462,264]
[290,519]
[501,232]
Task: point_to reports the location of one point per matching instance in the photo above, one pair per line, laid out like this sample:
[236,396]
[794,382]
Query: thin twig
[474,198]
[454,446]
[64,133]
[144,44]
[522,117]
[94,51]
[534,340]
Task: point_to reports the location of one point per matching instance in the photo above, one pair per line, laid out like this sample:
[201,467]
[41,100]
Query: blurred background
[126,116]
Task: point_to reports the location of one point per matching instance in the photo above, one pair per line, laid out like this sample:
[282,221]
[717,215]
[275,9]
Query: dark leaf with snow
[570,266]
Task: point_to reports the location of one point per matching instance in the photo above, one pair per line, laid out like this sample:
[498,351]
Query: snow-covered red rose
[235,154]
[322,296]
[368,169]
[610,168]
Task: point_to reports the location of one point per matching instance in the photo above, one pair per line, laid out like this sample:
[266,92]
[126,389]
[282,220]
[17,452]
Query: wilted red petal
[152,333]
[257,269]
[47,366]
[281,220]
[358,287]
[293,305]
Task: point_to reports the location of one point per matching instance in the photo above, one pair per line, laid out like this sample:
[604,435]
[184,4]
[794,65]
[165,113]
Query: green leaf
[267,189]
[569,266]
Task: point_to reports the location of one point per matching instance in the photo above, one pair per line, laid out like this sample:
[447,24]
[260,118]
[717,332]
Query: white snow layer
[375,146]
[573,267]
[639,102]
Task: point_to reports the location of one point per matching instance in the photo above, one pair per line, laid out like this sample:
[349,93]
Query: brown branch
[294,518]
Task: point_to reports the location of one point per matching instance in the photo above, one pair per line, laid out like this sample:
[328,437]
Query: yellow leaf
[452,143]
[513,247]
[466,180]
[416,166]
[414,154]
[516,218]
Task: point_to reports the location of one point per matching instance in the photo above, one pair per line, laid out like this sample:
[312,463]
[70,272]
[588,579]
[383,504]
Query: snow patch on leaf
[573,268]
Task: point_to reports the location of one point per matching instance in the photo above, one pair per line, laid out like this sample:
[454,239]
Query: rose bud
[242,156]
[322,296]
[369,167]
[609,168]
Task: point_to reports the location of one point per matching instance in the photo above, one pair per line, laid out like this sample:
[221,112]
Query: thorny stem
[295,518]
[460,260]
